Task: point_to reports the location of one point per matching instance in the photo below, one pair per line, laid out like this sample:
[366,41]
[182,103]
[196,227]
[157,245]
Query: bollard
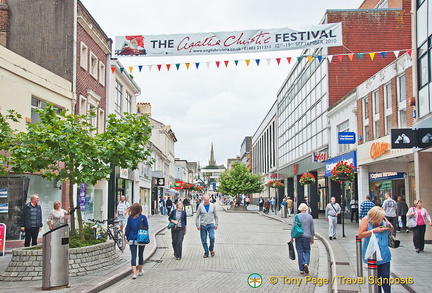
[359,257]
[372,272]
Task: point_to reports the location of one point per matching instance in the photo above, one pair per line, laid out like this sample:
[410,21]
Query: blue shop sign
[381,176]
[346,137]
[350,158]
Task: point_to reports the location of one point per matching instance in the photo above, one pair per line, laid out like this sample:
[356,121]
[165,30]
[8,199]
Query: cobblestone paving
[245,243]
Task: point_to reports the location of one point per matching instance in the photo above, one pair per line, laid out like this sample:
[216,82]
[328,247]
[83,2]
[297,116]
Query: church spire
[212,161]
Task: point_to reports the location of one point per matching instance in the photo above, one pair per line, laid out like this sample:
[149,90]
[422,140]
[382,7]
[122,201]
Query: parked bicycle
[112,231]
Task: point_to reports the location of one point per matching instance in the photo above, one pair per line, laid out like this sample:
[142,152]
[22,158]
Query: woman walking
[303,243]
[418,215]
[376,223]
[132,227]
[178,217]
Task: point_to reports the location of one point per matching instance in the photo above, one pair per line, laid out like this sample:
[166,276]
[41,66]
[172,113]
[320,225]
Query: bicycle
[113,231]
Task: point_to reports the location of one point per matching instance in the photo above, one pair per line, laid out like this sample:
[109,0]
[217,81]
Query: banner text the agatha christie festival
[248,41]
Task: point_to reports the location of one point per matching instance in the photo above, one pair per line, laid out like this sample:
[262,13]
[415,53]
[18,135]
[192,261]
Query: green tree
[239,180]
[65,147]
[7,138]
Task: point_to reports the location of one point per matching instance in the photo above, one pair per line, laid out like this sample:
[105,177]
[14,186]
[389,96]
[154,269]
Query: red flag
[217,64]
[226,63]
[168,66]
[113,69]
[278,60]
[289,60]
[409,52]
[159,66]
[340,57]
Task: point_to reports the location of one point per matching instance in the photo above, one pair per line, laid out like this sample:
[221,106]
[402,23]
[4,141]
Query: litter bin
[283,211]
[55,258]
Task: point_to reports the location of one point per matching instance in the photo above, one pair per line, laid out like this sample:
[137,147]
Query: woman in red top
[420,215]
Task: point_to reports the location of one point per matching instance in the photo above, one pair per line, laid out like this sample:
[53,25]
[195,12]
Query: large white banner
[249,41]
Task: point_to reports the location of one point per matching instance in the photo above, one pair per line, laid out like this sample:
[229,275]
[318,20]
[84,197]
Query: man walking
[31,220]
[365,207]
[354,209]
[332,211]
[122,210]
[389,206]
[401,211]
[207,221]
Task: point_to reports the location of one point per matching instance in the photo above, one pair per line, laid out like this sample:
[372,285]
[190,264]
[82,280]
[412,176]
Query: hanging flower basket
[275,184]
[343,172]
[307,178]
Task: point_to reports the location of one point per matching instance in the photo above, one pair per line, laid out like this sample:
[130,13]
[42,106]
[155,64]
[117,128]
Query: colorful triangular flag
[168,66]
[113,69]
[159,66]
[309,58]
[217,64]
[257,61]
[409,52]
[130,69]
[289,60]
[330,58]
[372,55]
[340,57]
[360,56]
[197,64]
[177,66]
[247,62]
[140,67]
[226,63]
[299,59]
[187,65]
[236,62]
[278,60]
[383,54]
[319,58]
[350,56]
[121,69]
[396,53]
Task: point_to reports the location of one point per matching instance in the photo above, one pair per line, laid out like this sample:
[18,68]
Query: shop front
[15,192]
[383,169]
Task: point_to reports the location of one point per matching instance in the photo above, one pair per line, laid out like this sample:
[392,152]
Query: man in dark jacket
[31,220]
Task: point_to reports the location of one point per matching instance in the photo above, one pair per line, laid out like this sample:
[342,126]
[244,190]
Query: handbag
[291,250]
[170,225]
[143,236]
[392,242]
[297,228]
[411,221]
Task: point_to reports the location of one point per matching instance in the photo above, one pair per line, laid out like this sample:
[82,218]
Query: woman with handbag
[416,220]
[377,225]
[135,220]
[178,218]
[304,241]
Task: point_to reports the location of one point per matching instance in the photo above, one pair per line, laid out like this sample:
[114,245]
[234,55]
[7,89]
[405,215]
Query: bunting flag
[309,59]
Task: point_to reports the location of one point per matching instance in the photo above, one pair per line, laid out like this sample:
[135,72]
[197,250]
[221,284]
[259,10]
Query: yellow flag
[130,69]
[247,62]
[187,65]
[309,58]
[372,55]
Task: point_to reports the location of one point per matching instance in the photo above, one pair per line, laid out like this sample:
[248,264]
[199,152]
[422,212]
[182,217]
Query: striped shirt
[365,207]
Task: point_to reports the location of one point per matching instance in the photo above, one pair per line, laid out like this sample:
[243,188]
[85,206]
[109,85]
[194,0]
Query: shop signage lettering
[380,176]
[378,149]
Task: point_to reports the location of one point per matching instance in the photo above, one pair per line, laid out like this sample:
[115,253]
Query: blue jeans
[302,245]
[204,230]
[133,249]
[384,272]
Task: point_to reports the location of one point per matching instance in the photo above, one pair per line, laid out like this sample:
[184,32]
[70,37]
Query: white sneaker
[134,277]
[140,273]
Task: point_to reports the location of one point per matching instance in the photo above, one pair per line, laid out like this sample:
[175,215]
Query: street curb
[330,253]
[118,274]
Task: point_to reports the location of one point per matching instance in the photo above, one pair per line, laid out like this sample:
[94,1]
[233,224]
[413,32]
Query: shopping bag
[291,250]
[143,236]
[297,228]
[373,247]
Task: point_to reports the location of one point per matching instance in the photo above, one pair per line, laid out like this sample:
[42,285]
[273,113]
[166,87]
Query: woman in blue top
[376,223]
[131,233]
[178,217]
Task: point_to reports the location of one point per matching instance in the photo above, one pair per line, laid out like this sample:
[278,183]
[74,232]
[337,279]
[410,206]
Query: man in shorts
[122,210]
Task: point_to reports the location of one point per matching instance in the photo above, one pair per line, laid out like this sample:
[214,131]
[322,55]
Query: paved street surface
[246,243]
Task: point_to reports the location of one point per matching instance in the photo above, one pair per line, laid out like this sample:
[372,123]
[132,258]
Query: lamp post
[342,179]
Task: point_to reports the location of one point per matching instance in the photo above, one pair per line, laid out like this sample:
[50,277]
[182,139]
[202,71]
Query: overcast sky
[219,105]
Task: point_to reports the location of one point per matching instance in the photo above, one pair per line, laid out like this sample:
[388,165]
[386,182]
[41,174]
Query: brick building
[312,87]
[62,37]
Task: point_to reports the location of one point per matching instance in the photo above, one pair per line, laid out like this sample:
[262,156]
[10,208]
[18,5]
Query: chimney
[4,21]
[143,108]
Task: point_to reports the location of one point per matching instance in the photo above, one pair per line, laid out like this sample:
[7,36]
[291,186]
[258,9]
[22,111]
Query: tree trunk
[71,205]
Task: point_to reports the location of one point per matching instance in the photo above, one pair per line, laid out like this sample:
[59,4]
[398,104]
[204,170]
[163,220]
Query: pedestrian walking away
[207,222]
[376,223]
[56,218]
[290,205]
[178,218]
[161,205]
[354,210]
[418,215]
[169,205]
[365,207]
[401,211]
[122,210]
[389,206]
[332,211]
[267,206]
[132,227]
[303,243]
[31,220]
[261,204]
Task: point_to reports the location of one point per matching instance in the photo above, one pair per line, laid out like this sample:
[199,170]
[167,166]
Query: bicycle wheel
[121,241]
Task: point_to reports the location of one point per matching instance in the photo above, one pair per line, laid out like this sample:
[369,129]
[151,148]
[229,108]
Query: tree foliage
[239,180]
[7,138]
[66,147]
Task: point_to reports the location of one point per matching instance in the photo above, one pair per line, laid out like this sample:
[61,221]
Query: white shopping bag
[373,247]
